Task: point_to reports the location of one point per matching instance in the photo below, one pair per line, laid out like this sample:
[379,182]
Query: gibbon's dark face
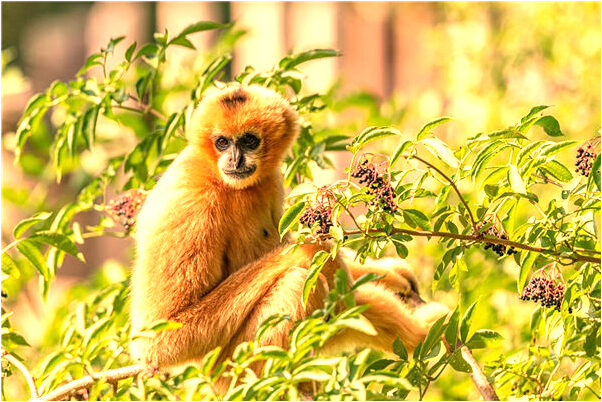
[237,154]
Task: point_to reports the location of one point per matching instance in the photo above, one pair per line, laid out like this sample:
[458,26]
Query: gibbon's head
[245,131]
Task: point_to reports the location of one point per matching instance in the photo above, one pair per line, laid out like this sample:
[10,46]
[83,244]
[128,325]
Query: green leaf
[112,43]
[533,112]
[451,331]
[558,171]
[428,128]
[164,325]
[433,336]
[387,378]
[182,41]
[290,217]
[59,241]
[148,50]
[371,134]
[95,330]
[30,250]
[552,148]
[130,51]
[14,339]
[525,270]
[315,268]
[466,322]
[527,151]
[401,148]
[399,349]
[550,126]
[200,26]
[483,338]
[459,364]
[9,265]
[441,151]
[292,61]
[91,61]
[359,324]
[594,176]
[515,180]
[400,248]
[25,224]
[89,125]
[369,277]
[414,217]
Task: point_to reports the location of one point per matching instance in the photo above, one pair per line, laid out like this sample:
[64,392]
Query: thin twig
[33,390]
[451,182]
[110,376]
[147,108]
[478,376]
[481,238]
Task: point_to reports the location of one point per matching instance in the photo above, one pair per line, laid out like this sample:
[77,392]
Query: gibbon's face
[245,131]
[238,156]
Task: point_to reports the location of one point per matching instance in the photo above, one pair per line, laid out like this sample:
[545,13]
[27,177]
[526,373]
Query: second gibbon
[208,249]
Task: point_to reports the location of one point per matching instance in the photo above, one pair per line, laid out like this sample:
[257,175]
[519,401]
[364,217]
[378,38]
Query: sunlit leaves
[439,149]
[428,128]
[292,61]
[290,217]
[550,126]
[372,134]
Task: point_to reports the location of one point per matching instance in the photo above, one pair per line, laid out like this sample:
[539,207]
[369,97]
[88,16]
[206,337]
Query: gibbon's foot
[398,275]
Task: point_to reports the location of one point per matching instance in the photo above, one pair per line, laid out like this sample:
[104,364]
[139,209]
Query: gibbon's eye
[249,141]
[222,143]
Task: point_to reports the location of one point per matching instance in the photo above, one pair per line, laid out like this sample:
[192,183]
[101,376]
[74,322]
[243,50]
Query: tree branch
[478,376]
[110,376]
[33,390]
[451,182]
[481,238]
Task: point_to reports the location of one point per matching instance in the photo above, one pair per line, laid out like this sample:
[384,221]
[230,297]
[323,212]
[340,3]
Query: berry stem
[575,257]
[451,182]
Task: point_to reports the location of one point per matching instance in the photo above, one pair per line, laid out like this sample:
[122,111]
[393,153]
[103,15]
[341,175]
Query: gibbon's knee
[282,298]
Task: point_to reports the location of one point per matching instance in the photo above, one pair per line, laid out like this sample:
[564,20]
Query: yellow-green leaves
[290,217]
[440,149]
[315,268]
[428,128]
[25,224]
[515,180]
[372,134]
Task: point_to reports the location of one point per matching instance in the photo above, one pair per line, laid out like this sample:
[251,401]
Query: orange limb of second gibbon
[208,253]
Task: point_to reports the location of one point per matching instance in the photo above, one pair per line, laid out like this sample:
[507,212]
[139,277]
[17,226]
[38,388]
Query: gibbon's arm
[217,317]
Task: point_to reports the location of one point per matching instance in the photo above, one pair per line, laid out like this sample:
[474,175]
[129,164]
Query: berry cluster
[545,291]
[586,155]
[495,231]
[126,207]
[320,212]
[377,185]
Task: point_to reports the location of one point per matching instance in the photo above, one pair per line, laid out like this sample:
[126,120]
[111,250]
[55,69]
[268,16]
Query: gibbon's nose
[237,159]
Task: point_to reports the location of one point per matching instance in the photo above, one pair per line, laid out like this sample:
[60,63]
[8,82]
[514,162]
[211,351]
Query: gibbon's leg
[283,298]
[218,316]
[391,318]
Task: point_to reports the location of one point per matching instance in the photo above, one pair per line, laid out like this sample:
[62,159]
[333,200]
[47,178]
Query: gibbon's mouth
[242,173]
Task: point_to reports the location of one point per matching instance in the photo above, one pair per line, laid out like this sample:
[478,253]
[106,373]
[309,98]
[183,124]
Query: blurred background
[404,64]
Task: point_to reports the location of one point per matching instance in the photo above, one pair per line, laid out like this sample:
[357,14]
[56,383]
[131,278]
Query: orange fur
[208,250]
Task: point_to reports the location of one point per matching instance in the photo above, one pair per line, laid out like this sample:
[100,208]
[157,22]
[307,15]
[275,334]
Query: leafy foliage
[439,192]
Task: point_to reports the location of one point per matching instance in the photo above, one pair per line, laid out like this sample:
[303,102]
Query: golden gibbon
[208,252]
